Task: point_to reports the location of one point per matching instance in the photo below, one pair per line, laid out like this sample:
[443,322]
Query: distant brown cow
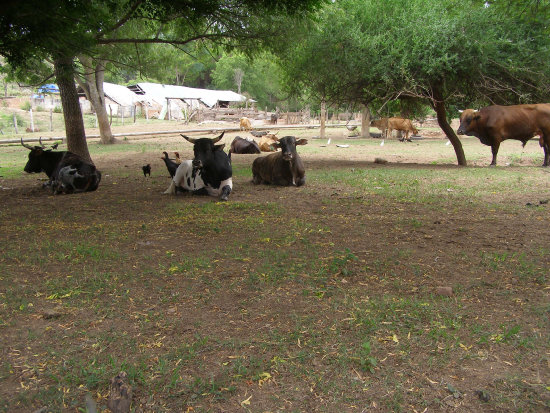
[267,143]
[404,125]
[381,124]
[494,124]
[244,124]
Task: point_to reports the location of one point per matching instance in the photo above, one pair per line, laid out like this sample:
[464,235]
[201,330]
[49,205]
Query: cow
[404,125]
[243,146]
[67,171]
[281,168]
[244,124]
[274,118]
[496,123]
[381,124]
[214,166]
[187,179]
[267,142]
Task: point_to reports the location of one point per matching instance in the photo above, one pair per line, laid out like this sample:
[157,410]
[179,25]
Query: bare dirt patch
[318,298]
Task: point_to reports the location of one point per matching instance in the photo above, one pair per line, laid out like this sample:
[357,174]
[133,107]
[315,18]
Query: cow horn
[188,139]
[218,138]
[40,142]
[460,110]
[26,146]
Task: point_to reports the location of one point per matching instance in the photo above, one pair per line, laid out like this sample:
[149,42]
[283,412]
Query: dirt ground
[345,295]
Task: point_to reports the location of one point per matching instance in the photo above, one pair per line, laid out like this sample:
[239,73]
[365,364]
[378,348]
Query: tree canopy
[443,52]
[61,30]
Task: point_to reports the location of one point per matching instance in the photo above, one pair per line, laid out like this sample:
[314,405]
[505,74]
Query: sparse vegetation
[318,298]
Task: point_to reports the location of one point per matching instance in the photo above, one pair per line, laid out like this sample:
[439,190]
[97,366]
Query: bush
[26,105]
[39,108]
[57,109]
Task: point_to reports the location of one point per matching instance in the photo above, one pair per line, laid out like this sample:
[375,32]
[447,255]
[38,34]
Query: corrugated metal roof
[121,94]
[159,93]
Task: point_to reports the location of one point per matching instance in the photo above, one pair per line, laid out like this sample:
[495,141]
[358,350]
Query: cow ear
[219,147]
[301,142]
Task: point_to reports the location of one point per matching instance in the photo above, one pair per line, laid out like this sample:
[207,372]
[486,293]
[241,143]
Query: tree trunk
[322,129]
[365,122]
[74,124]
[93,88]
[439,106]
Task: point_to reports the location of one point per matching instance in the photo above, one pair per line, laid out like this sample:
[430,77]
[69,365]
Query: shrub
[57,109]
[26,105]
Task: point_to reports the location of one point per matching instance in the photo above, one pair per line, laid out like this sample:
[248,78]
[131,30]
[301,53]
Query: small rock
[445,291]
[544,201]
[51,314]
[380,160]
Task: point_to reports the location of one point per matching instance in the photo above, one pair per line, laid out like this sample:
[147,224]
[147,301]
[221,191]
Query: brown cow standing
[381,124]
[404,125]
[244,124]
[494,124]
[281,168]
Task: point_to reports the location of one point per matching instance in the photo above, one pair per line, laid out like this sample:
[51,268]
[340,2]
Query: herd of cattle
[210,171]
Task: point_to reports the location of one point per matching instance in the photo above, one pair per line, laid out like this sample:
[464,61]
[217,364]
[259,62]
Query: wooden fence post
[15,122]
[32,120]
[51,120]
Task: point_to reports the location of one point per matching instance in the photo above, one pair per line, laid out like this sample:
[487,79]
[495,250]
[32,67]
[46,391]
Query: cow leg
[494,149]
[546,154]
[171,189]
[226,190]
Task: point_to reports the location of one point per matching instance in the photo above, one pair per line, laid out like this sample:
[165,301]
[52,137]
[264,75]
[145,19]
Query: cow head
[468,121]
[34,164]
[204,149]
[288,146]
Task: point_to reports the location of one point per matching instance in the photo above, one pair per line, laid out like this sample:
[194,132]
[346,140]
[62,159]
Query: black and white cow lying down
[67,171]
[209,173]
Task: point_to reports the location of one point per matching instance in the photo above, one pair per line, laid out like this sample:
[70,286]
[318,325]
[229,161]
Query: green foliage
[26,105]
[362,52]
[261,79]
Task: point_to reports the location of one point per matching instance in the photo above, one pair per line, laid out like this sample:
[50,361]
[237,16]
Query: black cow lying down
[281,168]
[67,171]
[243,146]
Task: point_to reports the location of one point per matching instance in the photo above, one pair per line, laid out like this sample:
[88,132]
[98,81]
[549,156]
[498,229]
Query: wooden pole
[32,120]
[147,113]
[110,115]
[121,113]
[15,122]
[134,113]
[51,120]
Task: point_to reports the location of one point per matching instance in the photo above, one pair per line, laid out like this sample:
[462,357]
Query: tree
[443,52]
[261,77]
[61,30]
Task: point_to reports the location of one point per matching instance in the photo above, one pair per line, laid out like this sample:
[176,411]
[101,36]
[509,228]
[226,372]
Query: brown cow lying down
[267,143]
[281,168]
[404,125]
[494,124]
